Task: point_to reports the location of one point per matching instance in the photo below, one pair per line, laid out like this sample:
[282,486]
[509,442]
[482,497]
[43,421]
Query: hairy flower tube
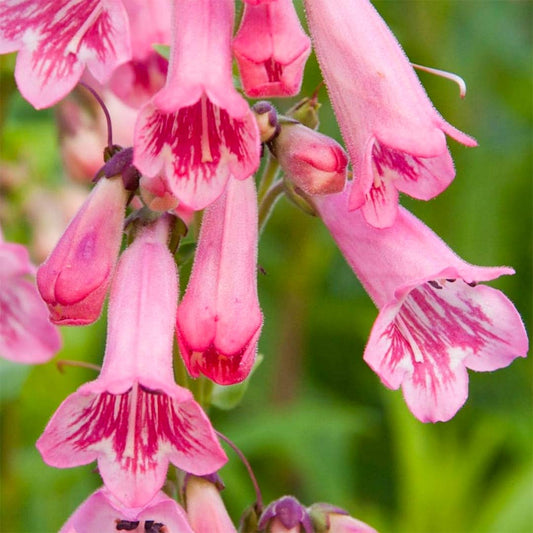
[271,49]
[74,279]
[134,419]
[395,137]
[219,319]
[102,512]
[434,321]
[56,39]
[314,162]
[198,131]
[26,334]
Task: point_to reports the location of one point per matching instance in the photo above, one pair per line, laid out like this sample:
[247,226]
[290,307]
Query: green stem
[266,205]
[269,175]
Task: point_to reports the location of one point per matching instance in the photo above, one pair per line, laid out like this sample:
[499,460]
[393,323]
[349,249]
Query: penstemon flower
[434,321]
[26,334]
[198,131]
[56,39]
[134,419]
[219,319]
[395,137]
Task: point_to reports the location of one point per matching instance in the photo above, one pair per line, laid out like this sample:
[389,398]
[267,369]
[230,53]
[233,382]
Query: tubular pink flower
[205,509]
[134,419]
[434,322]
[57,38]
[74,279]
[101,512]
[219,319]
[198,130]
[26,335]
[271,49]
[395,137]
[314,162]
[136,81]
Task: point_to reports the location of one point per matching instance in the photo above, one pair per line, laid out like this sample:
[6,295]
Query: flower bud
[312,161]
[285,515]
[73,281]
[328,518]
[267,120]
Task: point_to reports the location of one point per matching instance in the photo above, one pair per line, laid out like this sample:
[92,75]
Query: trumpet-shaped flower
[136,81]
[56,39]
[395,137]
[134,419]
[103,513]
[271,49]
[314,162]
[219,319]
[434,321]
[26,335]
[198,131]
[74,279]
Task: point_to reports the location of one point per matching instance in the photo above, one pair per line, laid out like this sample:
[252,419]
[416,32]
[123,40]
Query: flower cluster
[194,143]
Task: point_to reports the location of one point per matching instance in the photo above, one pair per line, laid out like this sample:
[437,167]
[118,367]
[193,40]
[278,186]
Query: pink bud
[271,49]
[314,162]
[73,281]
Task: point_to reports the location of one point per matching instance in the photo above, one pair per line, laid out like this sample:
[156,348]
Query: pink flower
[26,335]
[219,319]
[434,322]
[73,281]
[103,513]
[314,162]
[205,509]
[198,131]
[134,419]
[57,38]
[136,81]
[285,515]
[271,49]
[336,520]
[395,138]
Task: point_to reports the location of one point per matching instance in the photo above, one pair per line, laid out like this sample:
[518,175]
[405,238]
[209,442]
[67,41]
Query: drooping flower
[219,319]
[434,321]
[198,131]
[395,137]
[314,162]
[136,81]
[205,509]
[26,334]
[56,39]
[102,512]
[134,419]
[271,49]
[74,279]
[285,515]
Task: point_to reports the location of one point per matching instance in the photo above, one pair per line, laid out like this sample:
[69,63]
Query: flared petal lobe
[198,131]
[219,319]
[271,49]
[103,513]
[74,279]
[134,419]
[26,334]
[434,322]
[56,39]
[395,137]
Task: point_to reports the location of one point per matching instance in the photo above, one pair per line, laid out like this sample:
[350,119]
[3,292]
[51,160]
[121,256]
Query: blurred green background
[316,422]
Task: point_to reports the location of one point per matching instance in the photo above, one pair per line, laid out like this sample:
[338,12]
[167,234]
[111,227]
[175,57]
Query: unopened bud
[267,120]
[315,163]
[328,518]
[285,515]
[73,281]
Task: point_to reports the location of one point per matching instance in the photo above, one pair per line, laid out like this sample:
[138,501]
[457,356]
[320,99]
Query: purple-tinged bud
[328,518]
[73,281]
[285,515]
[315,163]
[266,117]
